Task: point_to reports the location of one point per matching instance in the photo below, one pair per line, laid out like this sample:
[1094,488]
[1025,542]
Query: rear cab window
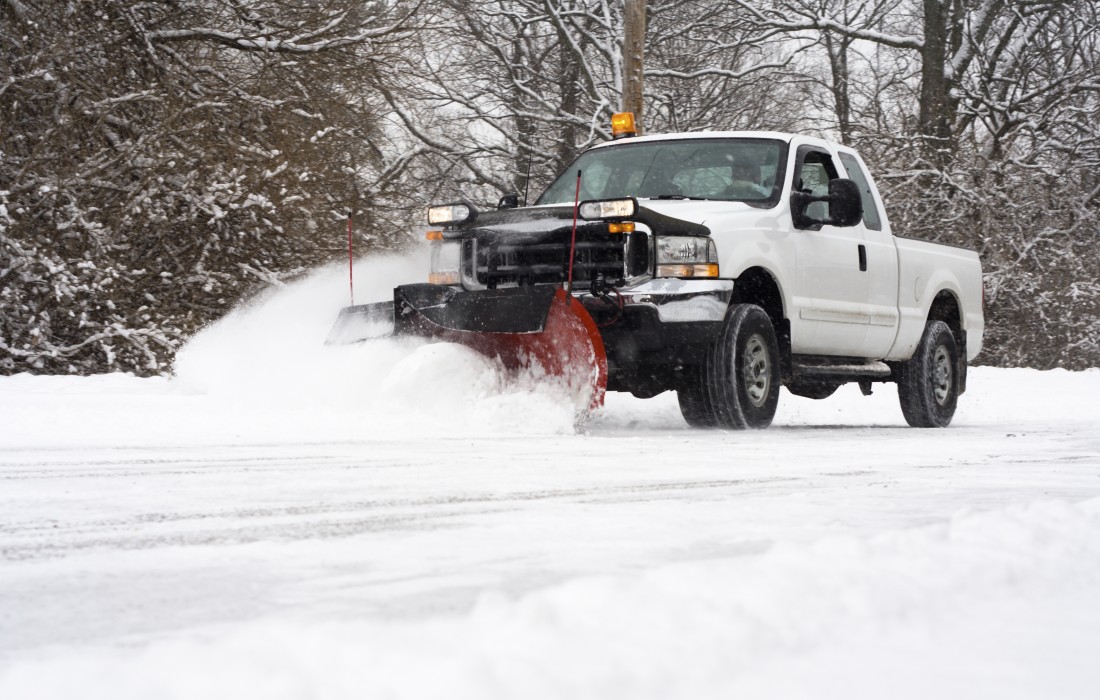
[871,217]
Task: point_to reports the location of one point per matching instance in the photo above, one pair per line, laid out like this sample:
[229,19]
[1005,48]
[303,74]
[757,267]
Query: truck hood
[706,212]
[531,224]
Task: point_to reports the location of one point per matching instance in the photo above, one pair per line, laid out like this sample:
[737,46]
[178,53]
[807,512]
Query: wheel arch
[758,285]
[946,307]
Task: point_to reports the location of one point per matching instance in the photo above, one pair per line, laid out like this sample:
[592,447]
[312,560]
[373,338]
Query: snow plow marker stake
[573,239]
[351,274]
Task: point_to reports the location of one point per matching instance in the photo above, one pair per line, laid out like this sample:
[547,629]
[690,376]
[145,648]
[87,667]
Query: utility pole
[633,53]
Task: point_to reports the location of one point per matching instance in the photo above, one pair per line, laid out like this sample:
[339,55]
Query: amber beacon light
[622,125]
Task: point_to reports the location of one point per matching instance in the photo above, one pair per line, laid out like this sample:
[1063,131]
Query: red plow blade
[533,328]
[569,347]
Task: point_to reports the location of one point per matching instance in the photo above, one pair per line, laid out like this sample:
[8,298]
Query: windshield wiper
[678,196]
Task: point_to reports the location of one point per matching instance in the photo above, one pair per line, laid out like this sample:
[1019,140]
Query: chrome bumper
[682,301]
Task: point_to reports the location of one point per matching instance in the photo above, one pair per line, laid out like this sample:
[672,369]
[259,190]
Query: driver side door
[830,290]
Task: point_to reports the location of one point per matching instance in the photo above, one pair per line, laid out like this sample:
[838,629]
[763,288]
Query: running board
[842,370]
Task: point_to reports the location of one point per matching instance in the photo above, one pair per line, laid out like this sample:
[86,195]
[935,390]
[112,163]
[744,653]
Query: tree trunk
[633,53]
[936,109]
[838,62]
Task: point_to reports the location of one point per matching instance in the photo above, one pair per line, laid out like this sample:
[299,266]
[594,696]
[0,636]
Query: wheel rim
[756,370]
[941,375]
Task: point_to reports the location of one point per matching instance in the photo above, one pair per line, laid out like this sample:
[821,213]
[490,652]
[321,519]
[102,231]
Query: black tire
[695,405]
[813,390]
[742,370]
[928,383]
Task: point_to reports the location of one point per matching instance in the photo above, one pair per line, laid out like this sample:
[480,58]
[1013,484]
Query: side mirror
[508,201]
[845,206]
[845,203]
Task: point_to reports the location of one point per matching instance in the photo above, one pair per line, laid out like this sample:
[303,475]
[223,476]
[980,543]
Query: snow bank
[836,618]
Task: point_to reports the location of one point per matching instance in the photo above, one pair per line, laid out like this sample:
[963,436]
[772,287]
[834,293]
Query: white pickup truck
[721,265]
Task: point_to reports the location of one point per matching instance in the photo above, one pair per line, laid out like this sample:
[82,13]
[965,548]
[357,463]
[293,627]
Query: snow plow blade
[529,328]
[356,324]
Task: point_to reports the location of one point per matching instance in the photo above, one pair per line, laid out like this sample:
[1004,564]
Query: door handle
[862,258]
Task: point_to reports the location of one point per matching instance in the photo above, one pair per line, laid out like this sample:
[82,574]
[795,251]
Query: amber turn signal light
[697,270]
[444,278]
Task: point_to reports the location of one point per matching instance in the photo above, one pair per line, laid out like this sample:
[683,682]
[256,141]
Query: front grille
[495,262]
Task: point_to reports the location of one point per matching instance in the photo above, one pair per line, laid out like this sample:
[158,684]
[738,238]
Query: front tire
[928,383]
[742,370]
[695,404]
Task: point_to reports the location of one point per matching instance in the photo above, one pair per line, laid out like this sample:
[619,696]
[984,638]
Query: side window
[813,176]
[871,217]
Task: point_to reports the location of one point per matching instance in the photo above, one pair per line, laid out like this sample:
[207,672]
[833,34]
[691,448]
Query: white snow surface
[285,519]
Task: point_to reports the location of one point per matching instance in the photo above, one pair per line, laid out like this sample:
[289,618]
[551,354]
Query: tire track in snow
[35,539]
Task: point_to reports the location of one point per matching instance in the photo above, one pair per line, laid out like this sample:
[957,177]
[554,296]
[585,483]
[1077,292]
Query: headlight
[458,213]
[446,258]
[686,256]
[608,209]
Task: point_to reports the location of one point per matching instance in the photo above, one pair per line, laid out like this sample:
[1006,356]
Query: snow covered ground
[287,520]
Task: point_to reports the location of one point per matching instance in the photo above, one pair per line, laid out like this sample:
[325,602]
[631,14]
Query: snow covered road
[412,527]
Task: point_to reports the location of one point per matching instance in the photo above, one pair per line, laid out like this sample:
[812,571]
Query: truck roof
[685,135]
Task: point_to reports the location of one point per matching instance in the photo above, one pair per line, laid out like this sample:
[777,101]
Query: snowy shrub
[160,161]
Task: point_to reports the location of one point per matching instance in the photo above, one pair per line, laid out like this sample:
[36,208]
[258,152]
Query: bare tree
[955,45]
[513,87]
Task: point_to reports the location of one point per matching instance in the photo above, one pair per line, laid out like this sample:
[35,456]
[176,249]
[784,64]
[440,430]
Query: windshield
[744,170]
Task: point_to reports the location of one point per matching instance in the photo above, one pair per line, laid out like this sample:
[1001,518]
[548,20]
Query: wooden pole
[633,54]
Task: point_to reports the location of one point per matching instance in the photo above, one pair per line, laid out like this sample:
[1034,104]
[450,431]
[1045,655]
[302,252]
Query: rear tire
[928,383]
[741,371]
